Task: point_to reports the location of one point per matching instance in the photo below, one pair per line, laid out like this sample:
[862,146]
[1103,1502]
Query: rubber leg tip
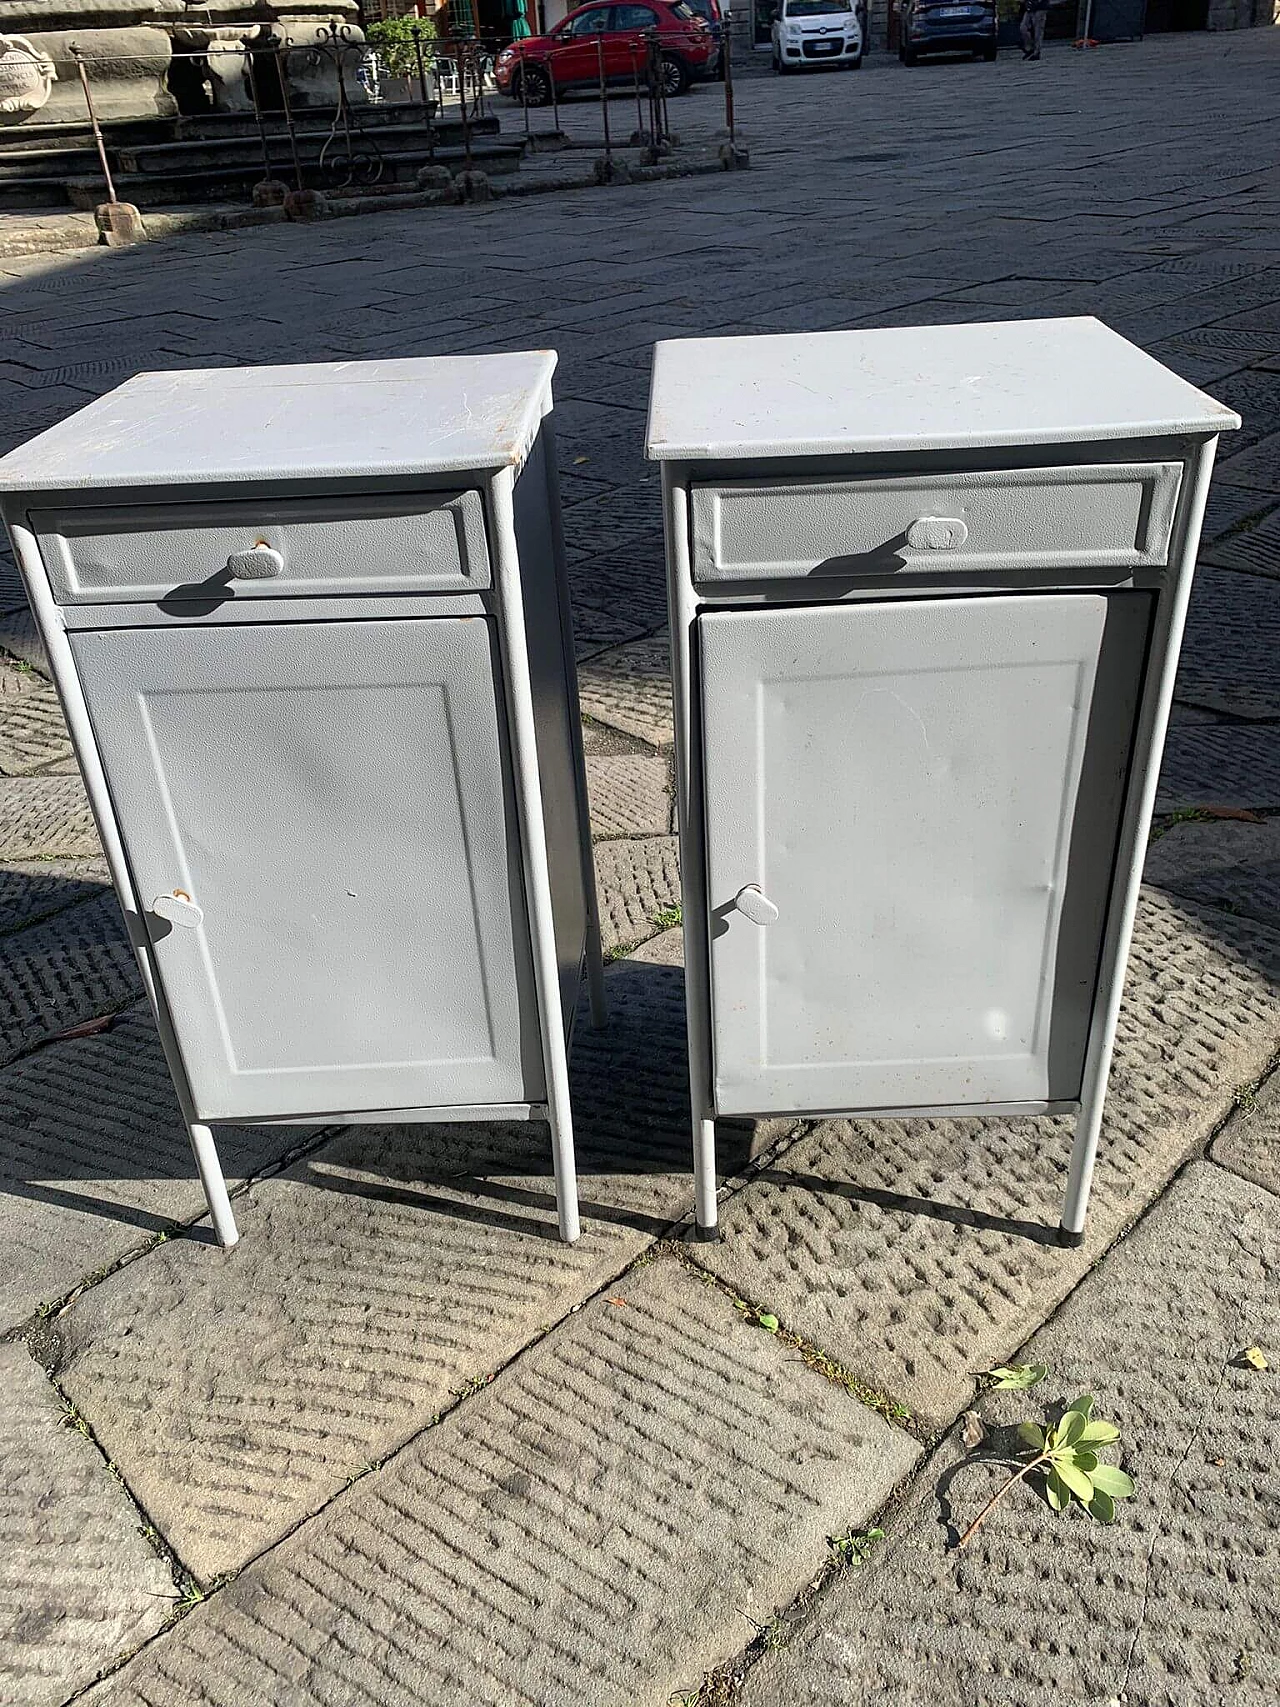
[707,1235]
[1070,1241]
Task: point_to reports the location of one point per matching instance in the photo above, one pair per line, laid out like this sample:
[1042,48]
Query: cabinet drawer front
[1115,515]
[419,542]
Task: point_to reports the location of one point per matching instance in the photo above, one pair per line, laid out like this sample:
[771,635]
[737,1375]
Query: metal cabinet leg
[1075,1204]
[215,1186]
[595,968]
[706,1211]
[566,1172]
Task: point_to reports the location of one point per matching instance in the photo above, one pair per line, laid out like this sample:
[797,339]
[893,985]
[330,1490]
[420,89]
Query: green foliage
[669,917]
[855,1546]
[1016,1377]
[393,41]
[768,1322]
[1064,1457]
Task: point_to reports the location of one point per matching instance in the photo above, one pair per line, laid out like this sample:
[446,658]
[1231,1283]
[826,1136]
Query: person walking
[1035,15]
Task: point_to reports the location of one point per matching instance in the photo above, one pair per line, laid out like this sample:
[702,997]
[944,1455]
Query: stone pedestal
[125,46]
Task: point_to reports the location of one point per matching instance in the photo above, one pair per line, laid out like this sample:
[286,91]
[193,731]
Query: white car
[816,32]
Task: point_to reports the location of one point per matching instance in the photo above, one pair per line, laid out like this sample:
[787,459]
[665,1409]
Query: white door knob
[937,533]
[259,563]
[178,909]
[755,905]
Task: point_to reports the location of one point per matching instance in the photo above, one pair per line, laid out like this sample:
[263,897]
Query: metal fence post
[74,51]
[604,102]
[727,38]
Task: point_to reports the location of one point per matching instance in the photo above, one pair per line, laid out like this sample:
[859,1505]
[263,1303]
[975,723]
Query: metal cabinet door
[929,795]
[335,799]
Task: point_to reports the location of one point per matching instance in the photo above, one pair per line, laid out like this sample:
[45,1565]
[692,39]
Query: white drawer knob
[259,563]
[937,533]
[755,905]
[178,909]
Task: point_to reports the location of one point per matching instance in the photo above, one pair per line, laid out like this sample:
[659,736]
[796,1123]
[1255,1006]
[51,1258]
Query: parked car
[947,26]
[816,32]
[571,51]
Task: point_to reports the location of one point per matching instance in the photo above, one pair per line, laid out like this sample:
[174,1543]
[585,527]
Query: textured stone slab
[629,795]
[598,630]
[20,638]
[630,689]
[1258,467]
[1249,1144]
[1255,549]
[373,1280]
[665,949]
[636,881]
[1231,650]
[46,815]
[1220,765]
[1228,865]
[34,890]
[1175,1603]
[62,971]
[624,517]
[32,732]
[94,1159]
[1227,509]
[919,1252]
[600,1524]
[628,583]
[78,1584]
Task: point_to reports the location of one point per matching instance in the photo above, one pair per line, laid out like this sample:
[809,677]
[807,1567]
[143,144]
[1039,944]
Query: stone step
[234,182]
[168,157]
[27,163]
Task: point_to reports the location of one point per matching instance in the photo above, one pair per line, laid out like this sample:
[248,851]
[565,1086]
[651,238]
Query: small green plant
[855,1546]
[392,39]
[1065,1457]
[1015,1377]
[767,1320]
[669,917]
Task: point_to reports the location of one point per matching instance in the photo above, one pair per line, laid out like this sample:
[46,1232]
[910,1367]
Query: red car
[571,52]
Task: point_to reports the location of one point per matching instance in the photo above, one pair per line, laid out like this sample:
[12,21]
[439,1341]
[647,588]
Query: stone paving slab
[1254,549]
[1228,509]
[629,582]
[665,949]
[78,1584]
[62,971]
[597,630]
[20,638]
[32,732]
[1176,1602]
[919,1252]
[636,882]
[34,889]
[374,1279]
[1249,1144]
[1231,645]
[600,1525]
[1224,864]
[46,816]
[629,796]
[630,689]
[1257,467]
[1219,764]
[94,1159]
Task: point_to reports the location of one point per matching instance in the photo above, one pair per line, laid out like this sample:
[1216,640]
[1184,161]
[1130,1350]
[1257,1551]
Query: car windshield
[815,8]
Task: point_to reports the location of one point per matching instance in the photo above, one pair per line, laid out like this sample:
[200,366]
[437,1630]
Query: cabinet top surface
[230,426]
[915,388]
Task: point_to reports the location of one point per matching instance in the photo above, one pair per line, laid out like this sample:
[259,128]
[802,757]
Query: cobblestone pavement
[400,1445]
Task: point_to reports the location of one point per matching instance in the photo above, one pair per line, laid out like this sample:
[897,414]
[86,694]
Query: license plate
[826,46]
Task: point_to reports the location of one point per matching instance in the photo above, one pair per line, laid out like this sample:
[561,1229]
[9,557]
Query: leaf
[87,1028]
[1239,813]
[1252,1355]
[767,1322]
[579,460]
[1098,1434]
[1086,1461]
[1071,1427]
[1102,1506]
[1084,1404]
[1031,1435]
[1112,1481]
[1057,1492]
[972,1432]
[1076,1479]
[1015,1377]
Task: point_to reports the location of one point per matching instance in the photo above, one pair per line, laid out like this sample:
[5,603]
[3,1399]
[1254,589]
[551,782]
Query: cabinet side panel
[549,636]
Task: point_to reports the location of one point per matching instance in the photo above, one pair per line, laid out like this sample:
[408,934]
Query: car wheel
[989,54]
[535,83]
[675,76]
[855,64]
[909,56]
